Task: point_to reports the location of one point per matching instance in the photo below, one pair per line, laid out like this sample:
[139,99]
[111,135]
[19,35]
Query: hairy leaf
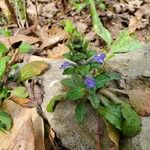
[84,69]
[104,79]
[80,112]
[132,123]
[98,26]
[94,100]
[69,70]
[68,82]
[75,93]
[125,43]
[112,114]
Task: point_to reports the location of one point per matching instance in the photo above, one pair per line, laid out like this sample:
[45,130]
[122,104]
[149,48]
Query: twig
[12,59]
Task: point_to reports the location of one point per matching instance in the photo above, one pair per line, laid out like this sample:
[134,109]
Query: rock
[83,136]
[132,64]
[141,141]
[74,136]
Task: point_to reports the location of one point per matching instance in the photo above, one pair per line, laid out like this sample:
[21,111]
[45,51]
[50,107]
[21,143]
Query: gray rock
[141,141]
[83,136]
[74,136]
[132,64]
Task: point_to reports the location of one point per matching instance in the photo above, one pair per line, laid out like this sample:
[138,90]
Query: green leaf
[98,26]
[69,70]
[6,120]
[80,6]
[75,93]
[80,112]
[4,93]
[84,69]
[32,69]
[20,92]
[3,63]
[94,100]
[125,43]
[5,32]
[105,78]
[51,105]
[68,26]
[3,49]
[132,123]
[112,114]
[68,82]
[25,47]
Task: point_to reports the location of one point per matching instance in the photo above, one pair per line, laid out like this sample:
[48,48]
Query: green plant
[11,71]
[89,80]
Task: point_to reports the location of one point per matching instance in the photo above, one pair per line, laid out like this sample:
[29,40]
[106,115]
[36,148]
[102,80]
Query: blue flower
[99,58]
[65,65]
[90,82]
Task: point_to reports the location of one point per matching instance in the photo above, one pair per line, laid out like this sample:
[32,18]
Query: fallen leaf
[133,24]
[17,38]
[21,135]
[113,134]
[51,37]
[140,101]
[32,69]
[20,101]
[57,52]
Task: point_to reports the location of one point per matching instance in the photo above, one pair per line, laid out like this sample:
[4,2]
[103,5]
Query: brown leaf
[140,101]
[52,36]
[21,135]
[20,101]
[27,132]
[133,24]
[19,37]
[57,52]
[113,134]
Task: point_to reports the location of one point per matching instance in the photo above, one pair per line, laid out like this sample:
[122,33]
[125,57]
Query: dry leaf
[57,52]
[52,36]
[133,24]
[20,101]
[19,37]
[140,101]
[21,135]
[27,132]
[113,134]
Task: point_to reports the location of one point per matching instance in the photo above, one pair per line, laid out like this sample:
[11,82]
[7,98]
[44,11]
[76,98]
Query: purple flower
[90,82]
[99,58]
[65,65]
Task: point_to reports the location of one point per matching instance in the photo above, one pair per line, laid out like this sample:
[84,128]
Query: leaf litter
[48,37]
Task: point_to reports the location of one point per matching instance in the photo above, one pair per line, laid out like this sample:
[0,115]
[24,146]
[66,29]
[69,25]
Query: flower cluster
[90,82]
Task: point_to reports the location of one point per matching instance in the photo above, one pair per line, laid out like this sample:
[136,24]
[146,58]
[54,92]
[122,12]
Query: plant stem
[111,95]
